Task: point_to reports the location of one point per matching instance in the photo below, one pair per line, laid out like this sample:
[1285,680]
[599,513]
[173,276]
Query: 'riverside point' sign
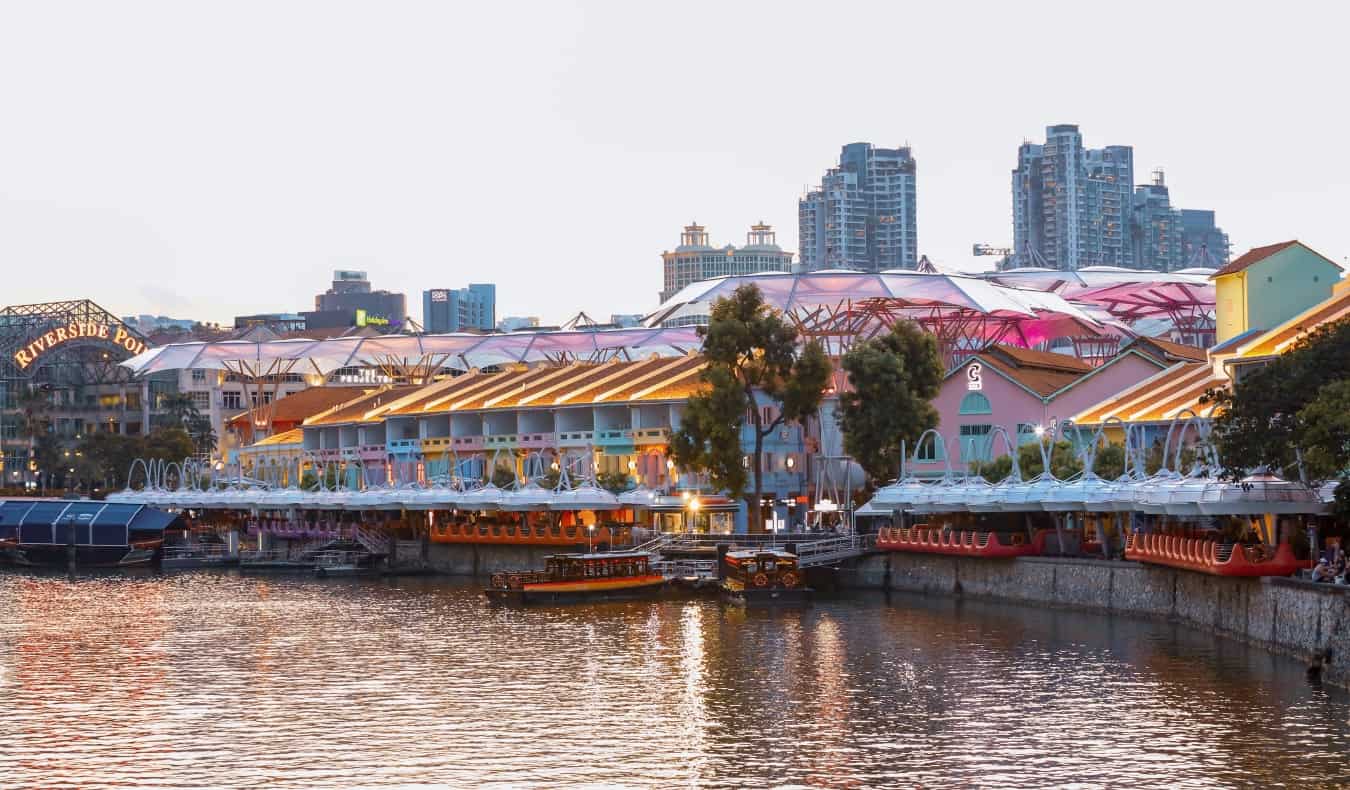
[116,334]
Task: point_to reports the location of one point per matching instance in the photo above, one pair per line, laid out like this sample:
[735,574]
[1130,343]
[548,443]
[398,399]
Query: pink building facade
[1025,392]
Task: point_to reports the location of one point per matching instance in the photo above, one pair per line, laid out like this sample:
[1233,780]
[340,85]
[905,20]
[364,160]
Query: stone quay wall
[1283,615]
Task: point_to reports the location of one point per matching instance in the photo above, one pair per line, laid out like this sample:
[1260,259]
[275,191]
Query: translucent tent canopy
[1126,294]
[917,290]
[462,351]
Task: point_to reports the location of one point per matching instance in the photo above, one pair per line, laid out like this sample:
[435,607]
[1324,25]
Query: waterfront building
[1024,392]
[460,309]
[351,302]
[696,259]
[60,380]
[1249,335]
[1268,285]
[863,215]
[1075,207]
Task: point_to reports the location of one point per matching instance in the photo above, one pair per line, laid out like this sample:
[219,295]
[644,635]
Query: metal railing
[686,569]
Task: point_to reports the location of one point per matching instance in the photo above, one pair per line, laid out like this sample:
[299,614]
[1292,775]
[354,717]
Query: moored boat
[42,533]
[763,577]
[579,577]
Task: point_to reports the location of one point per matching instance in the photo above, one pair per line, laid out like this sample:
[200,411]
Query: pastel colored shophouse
[1267,300]
[1026,392]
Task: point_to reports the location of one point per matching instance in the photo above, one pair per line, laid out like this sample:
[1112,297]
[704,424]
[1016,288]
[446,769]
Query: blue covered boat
[39,532]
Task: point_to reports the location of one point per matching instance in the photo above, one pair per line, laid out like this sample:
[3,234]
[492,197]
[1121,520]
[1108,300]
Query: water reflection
[213,680]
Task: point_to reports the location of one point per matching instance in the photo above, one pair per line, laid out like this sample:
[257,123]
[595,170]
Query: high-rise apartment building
[1071,205]
[863,214]
[1205,243]
[1075,207]
[1157,228]
[696,259]
[460,309]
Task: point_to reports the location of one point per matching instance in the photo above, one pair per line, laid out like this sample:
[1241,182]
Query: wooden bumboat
[579,577]
[759,577]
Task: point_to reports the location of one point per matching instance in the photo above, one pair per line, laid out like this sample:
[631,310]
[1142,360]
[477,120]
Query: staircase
[375,542]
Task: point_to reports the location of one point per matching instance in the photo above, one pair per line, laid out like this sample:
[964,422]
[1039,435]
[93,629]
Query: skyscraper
[1157,228]
[458,309]
[1071,205]
[1076,207]
[862,216]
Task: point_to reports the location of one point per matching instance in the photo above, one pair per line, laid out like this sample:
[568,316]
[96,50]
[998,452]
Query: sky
[205,160]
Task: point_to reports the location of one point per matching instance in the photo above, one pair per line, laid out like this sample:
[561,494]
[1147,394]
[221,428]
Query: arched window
[975,403]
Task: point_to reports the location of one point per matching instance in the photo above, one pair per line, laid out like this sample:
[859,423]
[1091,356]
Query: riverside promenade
[1286,616]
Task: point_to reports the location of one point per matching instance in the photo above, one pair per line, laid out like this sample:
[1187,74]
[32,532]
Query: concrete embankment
[1286,616]
[471,559]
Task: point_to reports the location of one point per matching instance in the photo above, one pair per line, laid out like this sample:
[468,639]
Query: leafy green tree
[1326,441]
[893,378]
[752,351]
[503,476]
[1291,414]
[614,482]
[1065,462]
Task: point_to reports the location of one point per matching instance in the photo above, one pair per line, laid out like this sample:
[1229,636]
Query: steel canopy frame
[415,358]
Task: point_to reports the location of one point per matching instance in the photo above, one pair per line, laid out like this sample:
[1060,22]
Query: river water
[222,680]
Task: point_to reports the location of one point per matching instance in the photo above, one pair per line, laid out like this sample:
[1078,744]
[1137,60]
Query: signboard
[117,334]
[975,376]
[365,319]
[440,295]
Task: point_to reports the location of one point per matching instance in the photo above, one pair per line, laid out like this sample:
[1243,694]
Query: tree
[752,354]
[180,411]
[894,378]
[1064,463]
[1292,413]
[503,476]
[614,482]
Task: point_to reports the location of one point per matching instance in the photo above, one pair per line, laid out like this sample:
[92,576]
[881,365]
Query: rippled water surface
[220,680]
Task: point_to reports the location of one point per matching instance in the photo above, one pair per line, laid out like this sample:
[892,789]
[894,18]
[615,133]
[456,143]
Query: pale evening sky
[203,160]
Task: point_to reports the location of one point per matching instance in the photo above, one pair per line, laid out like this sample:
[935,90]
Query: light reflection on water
[213,680]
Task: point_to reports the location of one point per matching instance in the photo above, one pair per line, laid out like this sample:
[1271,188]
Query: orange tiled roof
[1027,357]
[293,436]
[1254,255]
[301,405]
[364,408]
[1175,351]
[656,378]
[1159,397]
[1040,380]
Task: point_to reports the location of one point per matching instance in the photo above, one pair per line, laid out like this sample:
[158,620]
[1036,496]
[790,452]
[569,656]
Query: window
[231,400]
[198,376]
[930,451]
[975,444]
[975,403]
[202,400]
[1026,433]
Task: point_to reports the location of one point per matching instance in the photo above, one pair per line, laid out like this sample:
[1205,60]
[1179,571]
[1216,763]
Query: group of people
[1331,568]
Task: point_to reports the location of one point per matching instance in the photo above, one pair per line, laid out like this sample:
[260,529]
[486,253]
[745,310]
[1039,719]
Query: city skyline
[346,163]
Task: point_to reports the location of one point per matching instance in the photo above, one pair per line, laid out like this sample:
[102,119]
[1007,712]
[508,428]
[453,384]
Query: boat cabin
[597,566]
[762,568]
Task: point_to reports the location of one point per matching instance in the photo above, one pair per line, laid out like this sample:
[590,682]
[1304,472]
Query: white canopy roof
[462,351]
